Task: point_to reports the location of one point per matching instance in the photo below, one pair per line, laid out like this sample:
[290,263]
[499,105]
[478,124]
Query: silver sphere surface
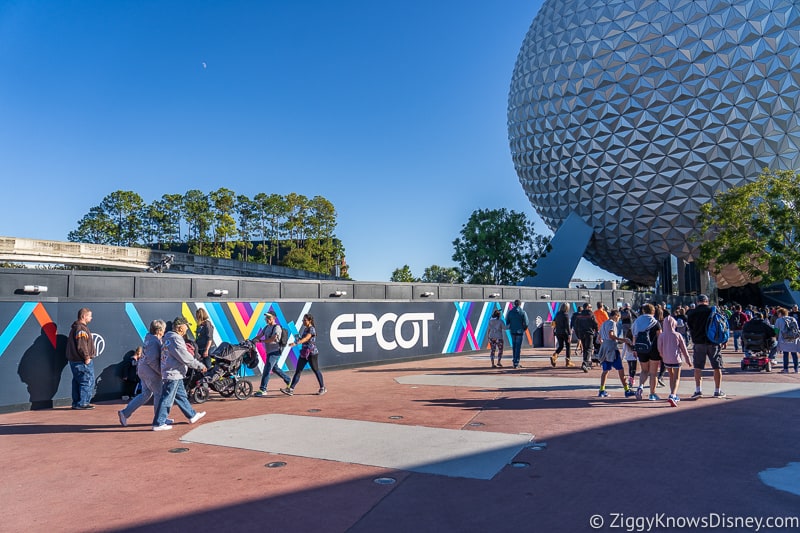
[633,113]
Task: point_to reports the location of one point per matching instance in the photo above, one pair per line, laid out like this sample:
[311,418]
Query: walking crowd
[657,341]
[167,357]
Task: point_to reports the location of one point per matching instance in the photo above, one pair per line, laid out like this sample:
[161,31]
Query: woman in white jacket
[784,324]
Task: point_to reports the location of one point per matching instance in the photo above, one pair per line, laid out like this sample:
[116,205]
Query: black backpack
[643,342]
[283,338]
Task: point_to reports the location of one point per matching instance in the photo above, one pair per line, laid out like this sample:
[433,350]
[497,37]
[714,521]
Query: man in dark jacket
[703,349]
[585,325]
[80,352]
[517,321]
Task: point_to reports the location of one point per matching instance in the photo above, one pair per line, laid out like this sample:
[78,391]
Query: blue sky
[394,111]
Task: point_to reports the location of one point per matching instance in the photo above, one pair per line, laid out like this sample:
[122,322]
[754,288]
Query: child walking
[672,348]
[609,354]
[496,331]
[629,356]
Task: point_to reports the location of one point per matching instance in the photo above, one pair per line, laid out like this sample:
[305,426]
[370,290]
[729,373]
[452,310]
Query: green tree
[299,258]
[223,208]
[126,210]
[247,210]
[197,213]
[403,275]
[95,227]
[165,217]
[321,223]
[271,214]
[439,274]
[754,226]
[498,247]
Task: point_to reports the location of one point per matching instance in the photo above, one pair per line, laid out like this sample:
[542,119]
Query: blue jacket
[517,321]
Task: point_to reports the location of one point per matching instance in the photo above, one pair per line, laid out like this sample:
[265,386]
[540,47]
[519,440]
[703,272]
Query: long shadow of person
[108,381]
[41,366]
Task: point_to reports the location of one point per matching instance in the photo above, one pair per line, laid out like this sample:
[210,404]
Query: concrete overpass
[21,250]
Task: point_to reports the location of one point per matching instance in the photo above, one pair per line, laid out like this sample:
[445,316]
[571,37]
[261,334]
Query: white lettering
[368,325]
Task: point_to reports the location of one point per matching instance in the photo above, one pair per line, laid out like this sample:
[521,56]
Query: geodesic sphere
[633,113]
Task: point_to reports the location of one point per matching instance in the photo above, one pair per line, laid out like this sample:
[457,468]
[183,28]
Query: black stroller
[223,376]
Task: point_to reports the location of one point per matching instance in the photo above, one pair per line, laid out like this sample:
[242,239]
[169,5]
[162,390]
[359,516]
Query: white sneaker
[169,421]
[122,419]
[162,427]
[197,417]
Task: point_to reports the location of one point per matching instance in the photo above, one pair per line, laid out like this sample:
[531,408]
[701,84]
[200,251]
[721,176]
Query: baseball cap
[179,321]
[702,298]
[626,304]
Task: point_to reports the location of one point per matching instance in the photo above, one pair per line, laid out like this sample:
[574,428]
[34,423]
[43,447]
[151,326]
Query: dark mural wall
[34,373]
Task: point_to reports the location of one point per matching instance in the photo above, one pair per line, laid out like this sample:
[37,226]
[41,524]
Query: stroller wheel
[199,394]
[243,389]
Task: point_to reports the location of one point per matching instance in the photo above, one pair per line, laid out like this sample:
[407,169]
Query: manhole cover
[179,450]
[520,464]
[395,417]
[384,480]
[275,464]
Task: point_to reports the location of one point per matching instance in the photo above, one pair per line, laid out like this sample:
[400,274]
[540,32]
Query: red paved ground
[66,470]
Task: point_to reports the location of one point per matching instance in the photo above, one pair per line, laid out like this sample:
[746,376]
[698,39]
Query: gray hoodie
[149,368]
[175,358]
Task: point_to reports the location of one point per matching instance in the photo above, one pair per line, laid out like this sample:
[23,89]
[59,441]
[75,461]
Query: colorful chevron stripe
[21,317]
[235,322]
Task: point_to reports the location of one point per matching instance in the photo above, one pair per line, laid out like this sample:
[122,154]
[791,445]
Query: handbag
[305,351]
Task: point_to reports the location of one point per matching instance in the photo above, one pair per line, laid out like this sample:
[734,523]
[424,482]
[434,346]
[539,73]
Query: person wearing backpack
[703,349]
[737,321]
[272,336]
[585,325]
[788,338]
[646,330]
[517,322]
[562,332]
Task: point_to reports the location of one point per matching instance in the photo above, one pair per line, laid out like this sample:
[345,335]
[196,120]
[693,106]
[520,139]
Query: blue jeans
[737,334]
[82,383]
[272,366]
[172,391]
[786,360]
[516,348]
[149,390]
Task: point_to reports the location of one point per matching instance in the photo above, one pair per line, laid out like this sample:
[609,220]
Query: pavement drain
[538,446]
[179,450]
[384,480]
[275,464]
[314,410]
[519,464]
[476,424]
[395,417]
